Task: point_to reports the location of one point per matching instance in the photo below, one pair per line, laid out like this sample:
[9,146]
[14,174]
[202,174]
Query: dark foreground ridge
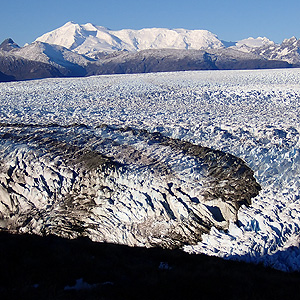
[51,267]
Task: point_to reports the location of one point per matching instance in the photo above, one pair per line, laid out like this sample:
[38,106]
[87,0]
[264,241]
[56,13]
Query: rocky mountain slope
[67,62]
[15,67]
[288,50]
[41,60]
[166,60]
[8,45]
[4,77]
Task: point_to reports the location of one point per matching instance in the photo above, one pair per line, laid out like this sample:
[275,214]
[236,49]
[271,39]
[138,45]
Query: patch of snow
[249,44]
[47,53]
[80,285]
[252,42]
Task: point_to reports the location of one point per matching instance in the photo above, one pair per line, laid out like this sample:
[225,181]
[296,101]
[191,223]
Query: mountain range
[85,50]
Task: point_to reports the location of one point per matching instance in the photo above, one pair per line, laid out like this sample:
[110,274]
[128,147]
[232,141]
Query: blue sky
[231,20]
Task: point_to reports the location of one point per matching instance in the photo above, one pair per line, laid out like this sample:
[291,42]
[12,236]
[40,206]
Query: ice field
[253,115]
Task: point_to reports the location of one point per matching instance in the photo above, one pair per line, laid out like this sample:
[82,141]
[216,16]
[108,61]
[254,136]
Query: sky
[230,20]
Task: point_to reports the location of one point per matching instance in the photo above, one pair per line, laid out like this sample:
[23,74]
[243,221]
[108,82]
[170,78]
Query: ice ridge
[117,184]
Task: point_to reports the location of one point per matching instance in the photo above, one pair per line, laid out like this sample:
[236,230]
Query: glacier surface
[117,184]
[253,115]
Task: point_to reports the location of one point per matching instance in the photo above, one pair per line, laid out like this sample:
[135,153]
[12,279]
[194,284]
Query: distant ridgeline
[85,50]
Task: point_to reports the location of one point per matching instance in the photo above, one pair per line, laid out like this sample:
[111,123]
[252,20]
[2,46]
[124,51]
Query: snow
[47,53]
[253,115]
[252,42]
[80,285]
[247,45]
[89,39]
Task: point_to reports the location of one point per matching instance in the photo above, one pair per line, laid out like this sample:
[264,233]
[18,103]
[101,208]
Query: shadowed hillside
[48,267]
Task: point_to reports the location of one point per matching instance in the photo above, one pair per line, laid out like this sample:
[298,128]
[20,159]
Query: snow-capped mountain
[67,62]
[46,53]
[84,50]
[8,45]
[288,50]
[89,39]
[250,44]
[95,41]
[39,60]
[13,67]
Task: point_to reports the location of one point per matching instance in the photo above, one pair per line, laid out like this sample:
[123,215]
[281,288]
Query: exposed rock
[4,77]
[22,69]
[288,51]
[167,60]
[42,60]
[67,62]
[119,185]
[8,45]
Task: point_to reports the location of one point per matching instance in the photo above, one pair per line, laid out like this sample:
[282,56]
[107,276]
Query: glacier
[252,116]
[119,185]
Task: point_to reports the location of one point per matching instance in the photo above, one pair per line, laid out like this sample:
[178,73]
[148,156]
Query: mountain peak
[8,45]
[91,39]
[247,44]
[292,40]
[69,23]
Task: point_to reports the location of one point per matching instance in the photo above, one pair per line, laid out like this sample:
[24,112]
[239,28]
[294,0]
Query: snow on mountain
[8,45]
[96,41]
[83,50]
[166,60]
[89,39]
[247,45]
[62,62]
[46,53]
[288,50]
[15,67]
[68,62]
